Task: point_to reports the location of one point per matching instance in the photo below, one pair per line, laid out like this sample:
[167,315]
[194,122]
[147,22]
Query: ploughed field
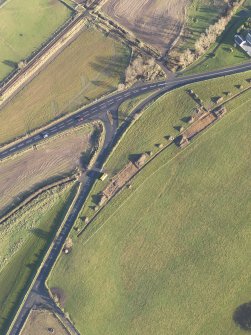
[172,252]
[24,26]
[156,22]
[49,161]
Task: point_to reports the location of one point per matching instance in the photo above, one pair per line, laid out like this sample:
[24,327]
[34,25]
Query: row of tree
[209,37]
[141,68]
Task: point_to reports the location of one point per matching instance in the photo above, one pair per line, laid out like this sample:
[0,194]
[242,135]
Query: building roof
[238,39]
[248,38]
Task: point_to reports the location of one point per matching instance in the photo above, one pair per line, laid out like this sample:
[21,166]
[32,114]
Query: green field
[223,53]
[200,15]
[93,65]
[161,119]
[128,106]
[25,238]
[172,254]
[24,26]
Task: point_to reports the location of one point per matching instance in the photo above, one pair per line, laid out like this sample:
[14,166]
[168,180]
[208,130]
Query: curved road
[96,111]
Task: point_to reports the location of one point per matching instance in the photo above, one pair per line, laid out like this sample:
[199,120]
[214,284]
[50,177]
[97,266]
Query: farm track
[97,111]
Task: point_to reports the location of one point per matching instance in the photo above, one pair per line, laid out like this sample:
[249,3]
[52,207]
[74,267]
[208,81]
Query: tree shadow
[10,63]
[102,83]
[110,66]
[134,157]
[40,233]
[242,316]
[96,198]
[185,119]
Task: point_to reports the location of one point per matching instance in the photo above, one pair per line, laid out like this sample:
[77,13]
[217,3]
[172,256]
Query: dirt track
[157,22]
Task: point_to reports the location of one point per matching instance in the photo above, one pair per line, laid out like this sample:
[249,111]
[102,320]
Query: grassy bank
[172,252]
[25,238]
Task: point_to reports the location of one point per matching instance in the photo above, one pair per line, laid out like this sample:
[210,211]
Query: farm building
[244,43]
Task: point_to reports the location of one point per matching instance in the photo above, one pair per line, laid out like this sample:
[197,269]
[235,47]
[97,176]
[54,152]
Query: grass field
[54,158]
[162,118]
[172,254]
[25,238]
[24,26]
[91,66]
[200,15]
[128,106]
[220,54]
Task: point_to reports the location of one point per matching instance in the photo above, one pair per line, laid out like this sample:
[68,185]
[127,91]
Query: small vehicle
[45,135]
[79,118]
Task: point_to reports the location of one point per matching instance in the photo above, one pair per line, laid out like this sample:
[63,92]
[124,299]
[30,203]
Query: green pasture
[24,26]
[163,118]
[25,237]
[171,255]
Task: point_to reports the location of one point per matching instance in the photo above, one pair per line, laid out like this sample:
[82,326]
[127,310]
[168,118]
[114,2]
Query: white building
[245,44]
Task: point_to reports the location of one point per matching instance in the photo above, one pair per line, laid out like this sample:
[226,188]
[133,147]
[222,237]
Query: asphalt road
[96,111]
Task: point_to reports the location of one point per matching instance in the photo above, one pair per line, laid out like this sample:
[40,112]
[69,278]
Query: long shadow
[242,316]
[10,63]
[40,233]
[108,66]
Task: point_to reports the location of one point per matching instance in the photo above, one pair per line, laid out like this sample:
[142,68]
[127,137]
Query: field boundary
[42,263]
[11,86]
[36,194]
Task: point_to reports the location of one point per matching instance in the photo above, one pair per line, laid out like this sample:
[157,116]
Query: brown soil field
[52,159]
[156,22]
[40,321]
